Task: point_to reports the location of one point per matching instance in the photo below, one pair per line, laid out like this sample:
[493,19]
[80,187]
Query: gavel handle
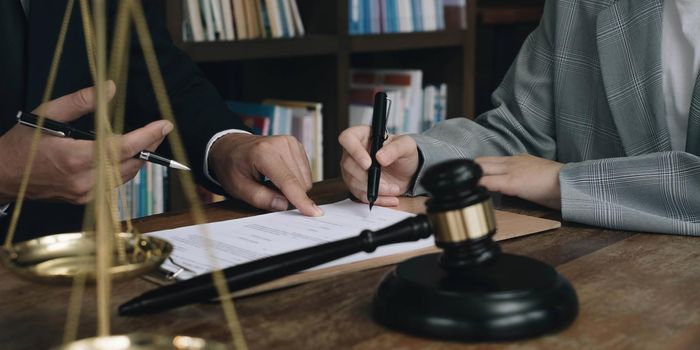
[201,288]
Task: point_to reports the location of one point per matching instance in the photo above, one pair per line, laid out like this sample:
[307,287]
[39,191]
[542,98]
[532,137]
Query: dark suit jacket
[199,110]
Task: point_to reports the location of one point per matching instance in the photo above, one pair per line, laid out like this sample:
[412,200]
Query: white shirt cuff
[213,139]
[3,210]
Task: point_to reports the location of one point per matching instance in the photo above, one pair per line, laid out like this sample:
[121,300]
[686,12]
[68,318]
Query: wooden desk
[636,291]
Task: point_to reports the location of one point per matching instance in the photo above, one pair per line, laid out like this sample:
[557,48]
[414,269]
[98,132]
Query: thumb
[392,151]
[73,106]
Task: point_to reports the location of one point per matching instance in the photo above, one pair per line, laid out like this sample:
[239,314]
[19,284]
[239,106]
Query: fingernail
[111,86]
[319,211]
[380,156]
[279,204]
[167,128]
[366,163]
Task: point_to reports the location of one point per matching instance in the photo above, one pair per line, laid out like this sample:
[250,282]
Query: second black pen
[59,129]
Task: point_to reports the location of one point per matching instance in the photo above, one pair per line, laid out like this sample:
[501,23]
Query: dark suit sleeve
[199,110]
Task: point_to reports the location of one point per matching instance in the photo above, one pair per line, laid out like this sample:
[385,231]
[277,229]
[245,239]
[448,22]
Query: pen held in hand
[378,129]
[59,129]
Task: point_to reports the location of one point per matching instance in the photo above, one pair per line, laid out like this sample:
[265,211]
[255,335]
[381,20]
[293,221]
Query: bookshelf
[316,67]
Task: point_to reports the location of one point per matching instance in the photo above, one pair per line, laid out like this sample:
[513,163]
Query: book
[260,125]
[455,14]
[219,32]
[264,19]
[208,15]
[405,16]
[440,14]
[405,89]
[240,15]
[242,240]
[146,194]
[429,107]
[216,20]
[298,24]
[274,18]
[375,13]
[158,190]
[360,115]
[252,8]
[417,7]
[429,20]
[227,16]
[287,18]
[194,20]
[354,20]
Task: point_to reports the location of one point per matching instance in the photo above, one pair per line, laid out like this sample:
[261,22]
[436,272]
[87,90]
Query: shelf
[509,15]
[216,51]
[406,41]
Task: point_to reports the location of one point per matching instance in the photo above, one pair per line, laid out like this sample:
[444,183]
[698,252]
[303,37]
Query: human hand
[239,161]
[525,176]
[398,158]
[64,168]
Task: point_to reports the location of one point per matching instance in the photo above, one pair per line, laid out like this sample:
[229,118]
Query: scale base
[509,297]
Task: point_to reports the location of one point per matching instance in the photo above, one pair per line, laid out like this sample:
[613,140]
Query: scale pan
[59,258]
[142,341]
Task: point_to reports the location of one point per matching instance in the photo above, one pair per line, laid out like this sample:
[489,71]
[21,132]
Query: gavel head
[461,213]
[471,291]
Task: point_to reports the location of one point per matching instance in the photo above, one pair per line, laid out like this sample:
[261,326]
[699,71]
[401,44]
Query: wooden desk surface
[636,291]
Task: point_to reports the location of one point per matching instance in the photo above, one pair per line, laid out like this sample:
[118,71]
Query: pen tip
[176,165]
[370,206]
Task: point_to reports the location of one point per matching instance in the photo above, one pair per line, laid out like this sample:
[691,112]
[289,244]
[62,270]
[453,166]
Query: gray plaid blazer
[586,90]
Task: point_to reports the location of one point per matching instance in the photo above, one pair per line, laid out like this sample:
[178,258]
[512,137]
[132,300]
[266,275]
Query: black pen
[59,129]
[378,129]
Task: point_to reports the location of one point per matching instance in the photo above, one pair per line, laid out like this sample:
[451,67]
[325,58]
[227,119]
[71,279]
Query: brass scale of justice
[469,292]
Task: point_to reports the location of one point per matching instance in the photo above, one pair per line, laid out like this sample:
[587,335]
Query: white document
[242,240]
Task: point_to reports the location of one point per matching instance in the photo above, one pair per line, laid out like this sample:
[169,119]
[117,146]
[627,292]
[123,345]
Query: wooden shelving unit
[316,67]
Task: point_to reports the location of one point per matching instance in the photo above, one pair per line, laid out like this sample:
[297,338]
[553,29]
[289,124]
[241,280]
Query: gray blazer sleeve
[655,192]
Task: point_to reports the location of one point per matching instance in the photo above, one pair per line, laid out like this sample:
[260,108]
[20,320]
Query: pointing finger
[290,185]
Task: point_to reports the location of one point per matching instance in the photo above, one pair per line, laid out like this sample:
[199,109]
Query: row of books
[405,16]
[413,107]
[146,194]
[303,120]
[216,20]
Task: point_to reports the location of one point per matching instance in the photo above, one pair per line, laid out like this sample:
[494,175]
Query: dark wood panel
[502,12]
[509,15]
[216,51]
[406,41]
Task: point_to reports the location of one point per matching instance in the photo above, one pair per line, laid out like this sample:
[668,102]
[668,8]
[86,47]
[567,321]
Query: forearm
[462,138]
[653,193]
